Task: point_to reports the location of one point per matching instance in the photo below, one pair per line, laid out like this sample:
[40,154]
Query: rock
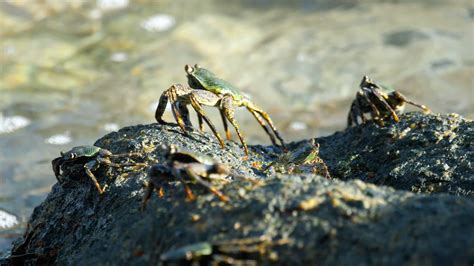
[422,153]
[304,218]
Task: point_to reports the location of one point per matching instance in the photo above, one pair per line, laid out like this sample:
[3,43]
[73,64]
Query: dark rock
[421,153]
[310,219]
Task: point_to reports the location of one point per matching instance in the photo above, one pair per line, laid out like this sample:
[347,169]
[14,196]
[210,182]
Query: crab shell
[201,78]
[76,153]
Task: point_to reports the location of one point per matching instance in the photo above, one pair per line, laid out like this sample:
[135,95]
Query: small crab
[227,98]
[244,251]
[188,166]
[91,157]
[302,159]
[379,101]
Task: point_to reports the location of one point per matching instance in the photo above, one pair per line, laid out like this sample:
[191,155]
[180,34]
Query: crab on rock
[379,101]
[91,157]
[189,167]
[207,89]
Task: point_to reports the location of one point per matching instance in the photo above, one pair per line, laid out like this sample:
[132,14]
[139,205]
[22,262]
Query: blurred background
[72,71]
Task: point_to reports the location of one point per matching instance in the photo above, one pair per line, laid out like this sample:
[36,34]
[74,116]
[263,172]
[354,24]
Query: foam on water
[297,126]
[59,139]
[159,22]
[111,127]
[12,123]
[7,220]
[112,4]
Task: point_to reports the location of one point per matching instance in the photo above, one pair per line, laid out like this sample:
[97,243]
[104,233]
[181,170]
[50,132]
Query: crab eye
[365,80]
[197,66]
[189,69]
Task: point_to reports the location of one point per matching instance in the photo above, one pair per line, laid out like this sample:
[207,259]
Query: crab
[248,250]
[91,157]
[222,95]
[379,101]
[302,159]
[188,166]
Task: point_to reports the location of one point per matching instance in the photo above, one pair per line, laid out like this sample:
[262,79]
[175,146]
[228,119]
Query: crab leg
[56,163]
[206,184]
[185,114]
[359,104]
[244,178]
[150,187]
[89,167]
[171,95]
[156,172]
[160,109]
[106,161]
[254,107]
[228,109]
[404,99]
[130,154]
[149,190]
[189,193]
[264,126]
[353,114]
[198,108]
[362,97]
[226,127]
[368,86]
[200,122]
[379,96]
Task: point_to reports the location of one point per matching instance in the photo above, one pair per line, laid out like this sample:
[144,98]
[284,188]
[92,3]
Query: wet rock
[422,153]
[304,218]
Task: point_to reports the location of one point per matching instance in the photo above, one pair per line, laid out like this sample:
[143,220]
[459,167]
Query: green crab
[91,157]
[247,250]
[223,96]
[188,166]
[381,102]
[302,159]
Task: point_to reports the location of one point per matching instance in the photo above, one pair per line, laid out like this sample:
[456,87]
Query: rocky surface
[419,154]
[304,218]
[73,71]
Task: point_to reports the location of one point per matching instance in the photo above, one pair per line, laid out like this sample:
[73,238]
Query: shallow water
[73,71]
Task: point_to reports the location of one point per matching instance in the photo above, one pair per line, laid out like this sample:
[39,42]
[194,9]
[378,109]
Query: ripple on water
[12,123]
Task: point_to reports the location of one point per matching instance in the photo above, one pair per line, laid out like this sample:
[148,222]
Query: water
[73,71]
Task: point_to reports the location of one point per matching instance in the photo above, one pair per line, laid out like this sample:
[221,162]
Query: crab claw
[56,164]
